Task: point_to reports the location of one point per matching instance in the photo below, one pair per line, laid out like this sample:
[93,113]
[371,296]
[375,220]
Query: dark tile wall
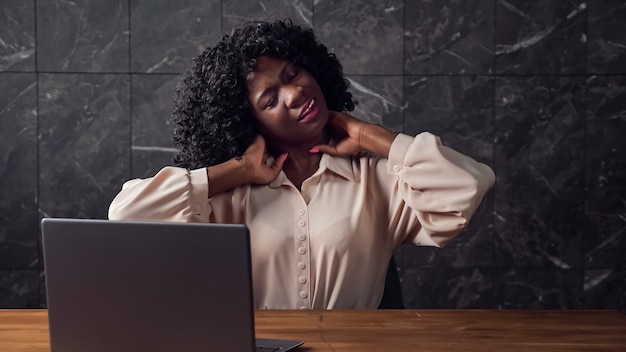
[537,89]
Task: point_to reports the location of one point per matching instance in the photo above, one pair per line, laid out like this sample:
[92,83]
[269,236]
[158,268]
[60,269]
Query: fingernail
[286,155]
[314,150]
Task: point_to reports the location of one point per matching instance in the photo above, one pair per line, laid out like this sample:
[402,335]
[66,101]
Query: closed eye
[270,103]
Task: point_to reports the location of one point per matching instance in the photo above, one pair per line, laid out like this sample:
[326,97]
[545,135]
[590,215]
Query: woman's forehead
[267,65]
[265,62]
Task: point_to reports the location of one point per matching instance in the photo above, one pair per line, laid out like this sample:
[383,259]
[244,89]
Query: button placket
[302,250]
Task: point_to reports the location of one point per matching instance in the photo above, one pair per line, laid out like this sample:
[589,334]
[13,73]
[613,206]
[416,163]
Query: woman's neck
[300,163]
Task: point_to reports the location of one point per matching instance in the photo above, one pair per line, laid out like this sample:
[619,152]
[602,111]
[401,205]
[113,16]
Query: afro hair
[213,120]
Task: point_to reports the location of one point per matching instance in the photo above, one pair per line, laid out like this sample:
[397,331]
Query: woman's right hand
[254,158]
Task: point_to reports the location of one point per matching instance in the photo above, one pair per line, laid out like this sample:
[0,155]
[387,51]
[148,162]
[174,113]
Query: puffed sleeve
[173,194]
[436,189]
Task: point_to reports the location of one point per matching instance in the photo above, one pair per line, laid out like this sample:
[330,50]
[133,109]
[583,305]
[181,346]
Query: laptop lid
[148,286]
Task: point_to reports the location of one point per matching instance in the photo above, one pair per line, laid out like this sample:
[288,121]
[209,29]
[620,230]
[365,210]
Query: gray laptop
[150,286]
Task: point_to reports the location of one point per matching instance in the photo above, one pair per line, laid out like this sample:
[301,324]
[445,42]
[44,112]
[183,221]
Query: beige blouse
[328,245]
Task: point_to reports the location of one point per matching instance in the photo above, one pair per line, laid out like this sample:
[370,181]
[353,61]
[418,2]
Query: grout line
[583,253]
[221,19]
[585,74]
[494,134]
[404,75]
[313,16]
[130,94]
[129,36]
[37,133]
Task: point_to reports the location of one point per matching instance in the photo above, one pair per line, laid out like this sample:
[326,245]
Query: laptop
[150,286]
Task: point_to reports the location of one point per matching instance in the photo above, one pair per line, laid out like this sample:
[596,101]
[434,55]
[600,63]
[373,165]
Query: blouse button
[396,168]
[302,280]
[303,294]
[197,208]
[300,212]
[301,237]
[301,223]
[301,265]
[301,250]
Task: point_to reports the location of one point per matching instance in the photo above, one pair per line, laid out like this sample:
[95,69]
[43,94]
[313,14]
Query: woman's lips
[310,111]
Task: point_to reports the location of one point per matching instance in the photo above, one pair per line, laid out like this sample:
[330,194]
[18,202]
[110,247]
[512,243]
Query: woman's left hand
[353,135]
[348,132]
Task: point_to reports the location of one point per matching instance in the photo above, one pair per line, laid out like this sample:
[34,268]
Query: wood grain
[395,330]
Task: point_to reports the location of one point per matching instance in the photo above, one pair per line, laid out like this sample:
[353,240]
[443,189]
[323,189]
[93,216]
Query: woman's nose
[293,96]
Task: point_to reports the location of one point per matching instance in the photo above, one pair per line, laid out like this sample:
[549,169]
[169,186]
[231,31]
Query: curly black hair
[213,119]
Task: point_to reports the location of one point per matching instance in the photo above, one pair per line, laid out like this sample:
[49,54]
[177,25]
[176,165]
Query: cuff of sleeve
[199,191]
[398,150]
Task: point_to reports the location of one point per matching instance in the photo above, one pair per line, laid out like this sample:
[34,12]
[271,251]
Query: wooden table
[395,330]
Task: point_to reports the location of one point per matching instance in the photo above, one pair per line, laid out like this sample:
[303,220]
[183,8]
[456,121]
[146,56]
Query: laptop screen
[147,286]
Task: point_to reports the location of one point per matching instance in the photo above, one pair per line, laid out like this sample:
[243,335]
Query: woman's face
[287,102]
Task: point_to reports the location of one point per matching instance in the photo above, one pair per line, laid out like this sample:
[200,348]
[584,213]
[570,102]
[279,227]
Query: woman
[265,141]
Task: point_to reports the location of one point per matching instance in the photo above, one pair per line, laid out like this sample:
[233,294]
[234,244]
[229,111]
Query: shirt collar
[341,166]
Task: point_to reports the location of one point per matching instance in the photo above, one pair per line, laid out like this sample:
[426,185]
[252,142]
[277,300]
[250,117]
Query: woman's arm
[432,191]
[177,194]
[441,187]
[173,194]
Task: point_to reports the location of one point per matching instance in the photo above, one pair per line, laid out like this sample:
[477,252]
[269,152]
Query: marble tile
[434,288]
[459,109]
[604,240]
[19,288]
[380,100]
[43,299]
[365,35]
[606,147]
[541,37]
[605,151]
[605,289]
[237,12]
[82,36]
[152,130]
[551,234]
[84,142]
[165,35]
[540,178]
[606,51]
[544,288]
[449,37]
[17,35]
[18,170]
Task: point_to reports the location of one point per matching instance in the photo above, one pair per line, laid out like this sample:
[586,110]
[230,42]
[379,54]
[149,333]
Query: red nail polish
[314,150]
